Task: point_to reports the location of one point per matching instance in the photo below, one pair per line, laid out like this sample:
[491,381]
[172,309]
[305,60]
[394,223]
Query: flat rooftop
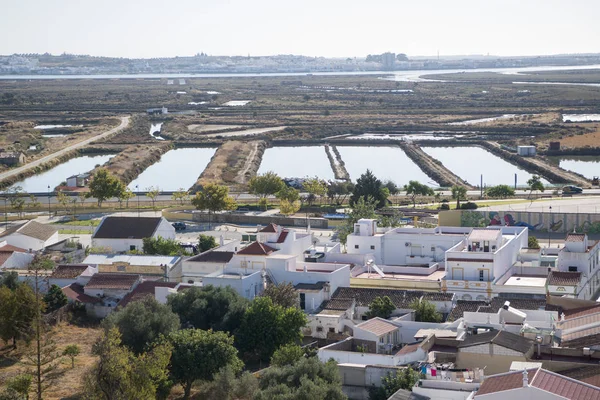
[523,280]
[390,275]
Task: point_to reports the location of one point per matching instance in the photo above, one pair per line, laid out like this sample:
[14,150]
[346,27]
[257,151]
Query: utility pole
[49,213]
[137,189]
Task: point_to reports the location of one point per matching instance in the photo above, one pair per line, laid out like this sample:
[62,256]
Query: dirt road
[16,171]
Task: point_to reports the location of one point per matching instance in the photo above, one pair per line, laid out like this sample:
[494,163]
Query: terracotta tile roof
[400,298]
[580,312]
[502,382]
[562,386]
[32,229]
[282,236]
[271,228]
[409,348]
[575,237]
[337,304]
[559,278]
[257,249]
[112,281]
[75,292]
[11,248]
[146,288]
[500,338]
[589,374]
[68,271]
[213,256]
[377,326]
[127,227]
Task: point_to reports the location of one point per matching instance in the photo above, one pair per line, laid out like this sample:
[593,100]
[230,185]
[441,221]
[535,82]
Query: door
[303,301]
[458,274]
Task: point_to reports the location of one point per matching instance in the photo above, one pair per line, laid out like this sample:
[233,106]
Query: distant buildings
[12,158]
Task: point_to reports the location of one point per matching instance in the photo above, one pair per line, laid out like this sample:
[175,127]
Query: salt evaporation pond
[588,166]
[53,177]
[385,163]
[581,117]
[470,163]
[297,162]
[179,168]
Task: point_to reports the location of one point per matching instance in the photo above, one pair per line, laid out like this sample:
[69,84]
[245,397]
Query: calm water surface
[385,163]
[588,166]
[297,162]
[470,162]
[60,173]
[179,168]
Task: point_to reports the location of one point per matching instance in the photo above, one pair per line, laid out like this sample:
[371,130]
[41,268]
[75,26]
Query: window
[319,329]
[372,247]
[433,249]
[381,339]
[356,246]
[481,275]
[190,282]
[303,301]
[331,330]
[132,247]
[572,269]
[364,318]
[120,268]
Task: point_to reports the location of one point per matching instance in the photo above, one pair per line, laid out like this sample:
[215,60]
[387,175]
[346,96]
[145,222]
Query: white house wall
[25,242]
[119,245]
[164,230]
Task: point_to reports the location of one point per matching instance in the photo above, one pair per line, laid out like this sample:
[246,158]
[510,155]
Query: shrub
[468,206]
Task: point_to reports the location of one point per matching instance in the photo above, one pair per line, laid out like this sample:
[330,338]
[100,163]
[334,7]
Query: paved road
[45,159]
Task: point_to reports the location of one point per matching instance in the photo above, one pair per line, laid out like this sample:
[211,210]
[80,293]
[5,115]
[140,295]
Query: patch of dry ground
[68,383]
[591,139]
[201,128]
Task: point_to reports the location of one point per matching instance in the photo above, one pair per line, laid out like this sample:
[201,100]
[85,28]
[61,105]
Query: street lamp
[137,190]
[5,214]
[49,213]
[549,224]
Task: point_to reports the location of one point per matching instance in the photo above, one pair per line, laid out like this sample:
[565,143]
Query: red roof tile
[257,249]
[559,278]
[409,348]
[282,237]
[69,271]
[112,281]
[11,248]
[575,237]
[271,228]
[144,289]
[75,292]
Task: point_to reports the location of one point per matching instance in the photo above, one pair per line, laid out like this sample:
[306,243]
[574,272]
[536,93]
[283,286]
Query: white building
[122,234]
[31,235]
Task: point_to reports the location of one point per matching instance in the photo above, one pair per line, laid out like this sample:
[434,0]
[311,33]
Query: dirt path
[16,171]
[433,168]
[336,162]
[241,178]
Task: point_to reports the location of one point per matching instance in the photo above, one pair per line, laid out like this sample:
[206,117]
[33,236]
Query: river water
[297,162]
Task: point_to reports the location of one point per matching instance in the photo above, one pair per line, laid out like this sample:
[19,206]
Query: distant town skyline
[149,29]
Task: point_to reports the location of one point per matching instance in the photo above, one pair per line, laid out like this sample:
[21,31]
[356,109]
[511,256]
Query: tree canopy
[392,382]
[267,326]
[533,243]
[55,298]
[209,307]
[425,311]
[415,188]
[104,185]
[500,191]
[199,355]
[315,187]
[288,354]
[206,242]
[283,294]
[288,208]
[367,185]
[381,307]
[161,246]
[535,183]
[459,193]
[363,208]
[288,193]
[141,323]
[214,198]
[338,191]
[266,184]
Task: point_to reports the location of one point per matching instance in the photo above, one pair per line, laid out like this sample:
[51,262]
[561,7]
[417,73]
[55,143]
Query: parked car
[179,226]
[572,189]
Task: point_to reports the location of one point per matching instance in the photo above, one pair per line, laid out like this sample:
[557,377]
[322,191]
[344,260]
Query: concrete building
[152,267]
[526,151]
[12,158]
[31,236]
[122,234]
[80,180]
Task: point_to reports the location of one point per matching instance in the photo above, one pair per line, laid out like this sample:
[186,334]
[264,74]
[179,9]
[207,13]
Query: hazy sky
[155,28]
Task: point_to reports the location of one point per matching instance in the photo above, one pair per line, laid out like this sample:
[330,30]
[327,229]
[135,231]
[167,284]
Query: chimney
[562,316]
[525,378]
[221,240]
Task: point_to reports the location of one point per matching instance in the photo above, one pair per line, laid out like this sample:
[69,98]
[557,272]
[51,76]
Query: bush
[468,206]
[444,206]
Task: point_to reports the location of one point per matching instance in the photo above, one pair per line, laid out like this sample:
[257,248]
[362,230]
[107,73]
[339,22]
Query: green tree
[181,195]
[362,208]
[307,379]
[71,351]
[288,354]
[17,313]
[17,200]
[391,187]
[10,280]
[369,186]
[213,198]
[34,203]
[381,307]
[152,193]
[63,200]
[500,191]
[21,385]
[288,208]
[206,242]
[209,307]
[120,374]
[425,311]
[283,294]
[265,185]
[124,196]
[533,243]
[161,246]
[229,385]
[315,187]
[288,193]
[459,193]
[104,185]
[415,188]
[55,298]
[266,327]
[199,355]
[535,183]
[392,382]
[141,323]
[338,191]
[82,196]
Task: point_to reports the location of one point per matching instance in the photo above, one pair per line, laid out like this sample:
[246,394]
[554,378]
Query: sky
[331,28]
